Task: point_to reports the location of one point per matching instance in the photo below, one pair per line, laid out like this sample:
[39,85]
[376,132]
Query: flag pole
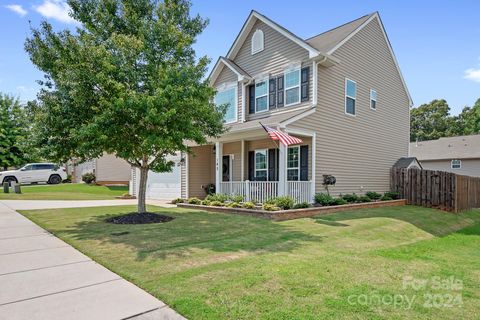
[276,158]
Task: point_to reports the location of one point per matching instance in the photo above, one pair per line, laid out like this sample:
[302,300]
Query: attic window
[257,41]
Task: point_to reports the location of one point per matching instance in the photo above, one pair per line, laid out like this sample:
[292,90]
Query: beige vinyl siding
[359,151]
[228,76]
[279,51]
[234,149]
[112,169]
[200,170]
[470,167]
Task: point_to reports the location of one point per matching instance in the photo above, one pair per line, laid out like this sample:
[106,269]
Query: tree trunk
[142,208]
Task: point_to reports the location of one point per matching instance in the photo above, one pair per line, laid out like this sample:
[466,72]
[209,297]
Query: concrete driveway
[42,277]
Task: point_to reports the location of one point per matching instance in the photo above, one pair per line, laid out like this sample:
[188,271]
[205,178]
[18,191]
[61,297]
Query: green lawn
[218,266]
[65,192]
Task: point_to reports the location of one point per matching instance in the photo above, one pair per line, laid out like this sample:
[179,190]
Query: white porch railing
[301,191]
[260,191]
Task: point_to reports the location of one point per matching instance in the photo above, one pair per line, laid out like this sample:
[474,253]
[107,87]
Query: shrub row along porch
[256,168]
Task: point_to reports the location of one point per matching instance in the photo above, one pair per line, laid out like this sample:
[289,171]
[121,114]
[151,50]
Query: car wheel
[10,180]
[54,179]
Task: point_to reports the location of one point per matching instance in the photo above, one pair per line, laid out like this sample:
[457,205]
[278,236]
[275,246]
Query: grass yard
[218,266]
[65,192]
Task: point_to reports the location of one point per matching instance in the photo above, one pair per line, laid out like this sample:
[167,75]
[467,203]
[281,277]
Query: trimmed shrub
[284,202]
[234,205]
[339,202]
[350,197]
[249,205]
[301,205]
[270,207]
[178,200]
[206,202]
[237,198]
[194,201]
[386,198]
[217,204]
[392,194]
[373,195]
[364,199]
[217,197]
[89,178]
[324,199]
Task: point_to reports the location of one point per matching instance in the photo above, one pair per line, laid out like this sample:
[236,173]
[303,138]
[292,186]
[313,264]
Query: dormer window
[257,41]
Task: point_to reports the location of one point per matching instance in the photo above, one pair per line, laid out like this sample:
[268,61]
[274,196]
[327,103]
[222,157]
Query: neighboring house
[454,154]
[108,169]
[341,92]
[408,163]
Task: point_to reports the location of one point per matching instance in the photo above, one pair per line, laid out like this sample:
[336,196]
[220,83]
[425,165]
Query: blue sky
[436,43]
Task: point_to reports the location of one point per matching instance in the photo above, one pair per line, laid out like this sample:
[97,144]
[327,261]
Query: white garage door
[164,185]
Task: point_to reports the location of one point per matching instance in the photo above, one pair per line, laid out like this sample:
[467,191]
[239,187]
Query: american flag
[279,135]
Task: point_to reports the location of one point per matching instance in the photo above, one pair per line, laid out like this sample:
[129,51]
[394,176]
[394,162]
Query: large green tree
[470,118]
[13,132]
[126,82]
[431,121]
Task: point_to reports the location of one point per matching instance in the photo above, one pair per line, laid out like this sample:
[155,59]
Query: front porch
[255,167]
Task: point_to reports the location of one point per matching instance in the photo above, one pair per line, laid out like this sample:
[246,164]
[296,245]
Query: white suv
[34,173]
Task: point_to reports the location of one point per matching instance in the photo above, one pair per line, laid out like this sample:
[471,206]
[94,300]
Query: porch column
[242,160]
[218,166]
[314,164]
[282,170]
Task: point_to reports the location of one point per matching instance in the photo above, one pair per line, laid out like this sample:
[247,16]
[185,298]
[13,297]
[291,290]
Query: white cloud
[18,9]
[472,74]
[55,9]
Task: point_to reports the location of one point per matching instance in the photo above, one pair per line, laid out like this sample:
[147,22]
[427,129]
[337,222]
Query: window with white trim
[292,87]
[261,96]
[456,164]
[373,99]
[257,41]
[261,164]
[228,97]
[293,163]
[350,96]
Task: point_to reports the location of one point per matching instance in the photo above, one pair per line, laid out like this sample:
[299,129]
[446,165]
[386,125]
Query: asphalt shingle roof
[461,147]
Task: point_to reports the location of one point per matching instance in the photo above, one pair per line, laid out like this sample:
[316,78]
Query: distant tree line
[433,120]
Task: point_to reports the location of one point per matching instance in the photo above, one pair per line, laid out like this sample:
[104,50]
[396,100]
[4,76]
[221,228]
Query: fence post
[247,190]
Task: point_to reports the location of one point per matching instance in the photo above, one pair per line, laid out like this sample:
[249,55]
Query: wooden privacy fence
[436,189]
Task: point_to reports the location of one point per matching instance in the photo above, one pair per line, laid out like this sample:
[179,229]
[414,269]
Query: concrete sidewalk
[54,204]
[42,277]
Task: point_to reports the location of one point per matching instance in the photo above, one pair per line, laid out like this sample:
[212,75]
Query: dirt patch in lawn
[139,218]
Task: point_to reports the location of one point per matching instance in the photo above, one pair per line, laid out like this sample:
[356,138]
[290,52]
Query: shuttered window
[293,163]
[292,87]
[350,96]
[261,96]
[261,165]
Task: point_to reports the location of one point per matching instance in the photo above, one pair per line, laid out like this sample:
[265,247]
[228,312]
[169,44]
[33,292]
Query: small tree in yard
[127,82]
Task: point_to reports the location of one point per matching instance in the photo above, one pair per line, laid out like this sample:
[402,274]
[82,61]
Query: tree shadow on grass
[436,222]
[192,230]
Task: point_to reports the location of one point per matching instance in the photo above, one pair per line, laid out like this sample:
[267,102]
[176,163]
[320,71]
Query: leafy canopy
[126,82]
[13,132]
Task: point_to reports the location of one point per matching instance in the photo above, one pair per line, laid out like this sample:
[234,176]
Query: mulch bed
[139,218]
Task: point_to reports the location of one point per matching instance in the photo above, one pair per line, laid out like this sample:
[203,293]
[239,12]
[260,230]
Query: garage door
[164,185]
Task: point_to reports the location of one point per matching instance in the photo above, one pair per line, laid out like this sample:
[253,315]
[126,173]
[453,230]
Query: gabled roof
[247,27]
[406,162]
[461,147]
[222,61]
[327,40]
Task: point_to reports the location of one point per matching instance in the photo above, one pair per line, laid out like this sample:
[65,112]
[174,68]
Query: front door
[226,169]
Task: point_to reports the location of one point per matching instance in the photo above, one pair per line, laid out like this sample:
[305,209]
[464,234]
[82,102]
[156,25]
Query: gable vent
[257,41]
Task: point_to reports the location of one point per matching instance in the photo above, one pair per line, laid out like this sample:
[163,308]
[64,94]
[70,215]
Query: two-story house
[341,92]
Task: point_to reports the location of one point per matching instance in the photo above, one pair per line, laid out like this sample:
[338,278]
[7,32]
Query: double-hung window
[292,87]
[373,99]
[228,96]
[261,164]
[456,164]
[261,95]
[350,96]
[293,163]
